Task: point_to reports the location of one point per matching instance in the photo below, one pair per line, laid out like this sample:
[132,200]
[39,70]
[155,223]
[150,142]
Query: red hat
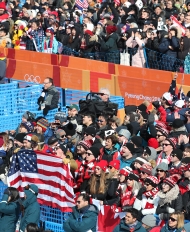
[125,171]
[172,141]
[153,143]
[174,171]
[86,144]
[171,181]
[88,32]
[103,165]
[153,180]
[115,164]
[185,168]
[110,29]
[2,5]
[50,30]
[146,168]
[54,13]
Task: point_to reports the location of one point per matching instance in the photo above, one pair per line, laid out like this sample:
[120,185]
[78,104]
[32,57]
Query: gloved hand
[45,110]
[170,210]
[150,118]
[41,98]
[7,191]
[156,104]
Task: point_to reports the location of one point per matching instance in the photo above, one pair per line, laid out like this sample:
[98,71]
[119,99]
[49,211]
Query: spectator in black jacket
[185,45]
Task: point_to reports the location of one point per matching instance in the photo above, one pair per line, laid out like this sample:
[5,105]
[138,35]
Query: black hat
[52,140]
[130,147]
[95,151]
[91,10]
[19,137]
[142,107]
[147,151]
[26,5]
[137,140]
[133,176]
[63,148]
[178,153]
[70,129]
[130,108]
[90,130]
[177,123]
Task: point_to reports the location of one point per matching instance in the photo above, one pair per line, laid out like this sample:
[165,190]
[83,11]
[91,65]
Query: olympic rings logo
[31,78]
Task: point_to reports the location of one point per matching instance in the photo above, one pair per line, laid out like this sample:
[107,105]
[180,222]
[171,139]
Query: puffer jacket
[82,220]
[9,214]
[31,210]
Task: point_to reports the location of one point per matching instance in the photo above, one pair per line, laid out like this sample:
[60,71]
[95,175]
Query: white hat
[180,103]
[168,97]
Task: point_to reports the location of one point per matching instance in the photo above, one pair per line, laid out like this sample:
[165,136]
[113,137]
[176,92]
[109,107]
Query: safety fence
[19,96]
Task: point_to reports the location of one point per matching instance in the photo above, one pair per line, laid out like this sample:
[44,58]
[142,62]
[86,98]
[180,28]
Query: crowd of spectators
[87,26]
[139,166]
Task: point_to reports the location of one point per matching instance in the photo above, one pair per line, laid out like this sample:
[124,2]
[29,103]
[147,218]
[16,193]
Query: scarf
[132,226]
[169,196]
[83,44]
[151,193]
[48,44]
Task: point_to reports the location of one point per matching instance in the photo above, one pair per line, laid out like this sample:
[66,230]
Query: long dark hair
[32,227]
[14,194]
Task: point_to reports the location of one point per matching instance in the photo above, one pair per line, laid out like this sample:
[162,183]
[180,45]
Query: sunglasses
[172,219]
[159,136]
[160,170]
[173,155]
[147,184]
[165,144]
[89,154]
[100,121]
[63,136]
[129,179]
[142,172]
[56,147]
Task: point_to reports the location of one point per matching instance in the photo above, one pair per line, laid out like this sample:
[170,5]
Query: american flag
[48,172]
[81,4]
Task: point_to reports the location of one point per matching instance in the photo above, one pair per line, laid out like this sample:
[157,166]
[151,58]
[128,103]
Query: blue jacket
[31,210]
[126,163]
[124,227]
[9,214]
[166,229]
[48,133]
[78,222]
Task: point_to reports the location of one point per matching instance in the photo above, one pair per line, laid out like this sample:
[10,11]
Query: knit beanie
[102,164]
[19,137]
[178,153]
[141,160]
[163,131]
[153,154]
[149,220]
[130,147]
[88,32]
[177,123]
[146,168]
[70,129]
[125,133]
[28,137]
[147,151]
[163,166]
[110,29]
[137,140]
[95,151]
[86,144]
[90,130]
[43,123]
[61,116]
[153,143]
[60,133]
[153,180]
[115,164]
[50,30]
[171,181]
[28,125]
[125,171]
[134,176]
[160,125]
[172,141]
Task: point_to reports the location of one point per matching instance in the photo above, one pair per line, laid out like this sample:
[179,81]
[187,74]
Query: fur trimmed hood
[169,196]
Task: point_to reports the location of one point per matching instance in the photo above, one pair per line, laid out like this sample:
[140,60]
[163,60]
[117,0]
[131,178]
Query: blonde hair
[180,219]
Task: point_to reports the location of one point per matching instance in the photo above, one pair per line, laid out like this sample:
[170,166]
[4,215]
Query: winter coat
[31,210]
[186,48]
[138,59]
[169,12]
[124,227]
[186,204]
[9,214]
[166,42]
[166,229]
[126,162]
[38,36]
[54,48]
[171,200]
[112,197]
[2,70]
[109,155]
[82,221]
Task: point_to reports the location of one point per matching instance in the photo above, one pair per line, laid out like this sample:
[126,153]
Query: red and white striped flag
[53,178]
[176,23]
[81,4]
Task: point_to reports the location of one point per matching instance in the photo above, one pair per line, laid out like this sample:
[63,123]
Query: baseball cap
[73,106]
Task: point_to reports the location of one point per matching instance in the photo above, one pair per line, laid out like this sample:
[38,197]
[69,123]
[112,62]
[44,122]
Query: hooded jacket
[124,227]
[31,208]
[9,214]
[81,221]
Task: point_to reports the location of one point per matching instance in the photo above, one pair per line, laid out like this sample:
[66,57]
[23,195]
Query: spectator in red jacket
[3,14]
